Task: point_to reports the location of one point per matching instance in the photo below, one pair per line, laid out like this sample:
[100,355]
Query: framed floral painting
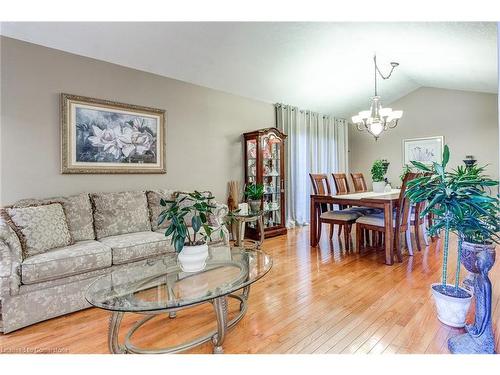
[424,150]
[100,136]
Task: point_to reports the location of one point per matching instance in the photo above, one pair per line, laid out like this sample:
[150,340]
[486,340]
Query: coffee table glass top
[160,284]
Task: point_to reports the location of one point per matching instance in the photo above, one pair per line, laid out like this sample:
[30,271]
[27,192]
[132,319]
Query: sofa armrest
[10,260]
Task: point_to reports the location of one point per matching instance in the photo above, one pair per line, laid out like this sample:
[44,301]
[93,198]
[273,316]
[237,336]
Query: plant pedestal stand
[478,338]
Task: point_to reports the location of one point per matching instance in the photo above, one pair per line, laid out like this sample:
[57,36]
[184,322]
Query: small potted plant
[254,193]
[378,172]
[460,204]
[194,208]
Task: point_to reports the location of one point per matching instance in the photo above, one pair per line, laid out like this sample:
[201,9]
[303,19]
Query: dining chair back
[359,182]
[320,184]
[404,203]
[340,181]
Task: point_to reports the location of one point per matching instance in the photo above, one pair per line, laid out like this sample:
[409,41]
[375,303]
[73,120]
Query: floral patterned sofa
[52,249]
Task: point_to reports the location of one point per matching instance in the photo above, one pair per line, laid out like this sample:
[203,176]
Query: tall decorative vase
[478,339]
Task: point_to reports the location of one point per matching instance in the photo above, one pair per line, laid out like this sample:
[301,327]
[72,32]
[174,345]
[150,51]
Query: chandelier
[377,119]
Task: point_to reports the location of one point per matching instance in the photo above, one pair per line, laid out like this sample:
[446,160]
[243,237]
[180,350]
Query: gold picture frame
[106,137]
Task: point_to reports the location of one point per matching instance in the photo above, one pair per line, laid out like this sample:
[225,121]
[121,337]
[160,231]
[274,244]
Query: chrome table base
[217,336]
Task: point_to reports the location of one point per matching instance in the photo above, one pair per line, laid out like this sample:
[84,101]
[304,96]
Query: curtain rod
[307,111]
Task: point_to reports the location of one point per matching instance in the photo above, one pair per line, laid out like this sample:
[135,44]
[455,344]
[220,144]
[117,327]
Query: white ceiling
[326,67]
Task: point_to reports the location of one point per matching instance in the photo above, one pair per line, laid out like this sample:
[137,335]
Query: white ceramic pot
[451,311]
[193,258]
[378,186]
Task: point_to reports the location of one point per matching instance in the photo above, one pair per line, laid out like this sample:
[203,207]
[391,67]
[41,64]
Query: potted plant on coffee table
[254,193]
[190,208]
[378,171]
[459,203]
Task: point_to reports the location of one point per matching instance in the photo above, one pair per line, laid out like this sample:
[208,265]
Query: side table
[248,218]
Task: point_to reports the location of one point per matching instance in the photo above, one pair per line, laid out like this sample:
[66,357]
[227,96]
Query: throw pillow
[155,208]
[78,212]
[119,213]
[40,228]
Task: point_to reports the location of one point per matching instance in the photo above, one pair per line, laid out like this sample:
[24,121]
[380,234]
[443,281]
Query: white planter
[451,311]
[193,258]
[378,186]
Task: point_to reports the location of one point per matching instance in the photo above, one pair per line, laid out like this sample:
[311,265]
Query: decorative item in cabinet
[265,164]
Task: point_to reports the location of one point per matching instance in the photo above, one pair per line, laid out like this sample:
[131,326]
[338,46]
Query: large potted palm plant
[459,203]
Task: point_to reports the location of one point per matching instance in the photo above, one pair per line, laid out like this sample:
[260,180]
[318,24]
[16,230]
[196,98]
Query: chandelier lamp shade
[377,119]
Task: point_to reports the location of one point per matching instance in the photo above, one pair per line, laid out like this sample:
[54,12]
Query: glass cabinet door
[251,161]
[271,179]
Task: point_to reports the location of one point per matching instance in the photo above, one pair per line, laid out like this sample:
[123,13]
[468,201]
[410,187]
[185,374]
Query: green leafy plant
[197,204]
[459,202]
[378,171]
[406,169]
[254,191]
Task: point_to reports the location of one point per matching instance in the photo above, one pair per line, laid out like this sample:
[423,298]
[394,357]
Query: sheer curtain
[315,144]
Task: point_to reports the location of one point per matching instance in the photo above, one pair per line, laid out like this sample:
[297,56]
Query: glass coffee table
[159,286]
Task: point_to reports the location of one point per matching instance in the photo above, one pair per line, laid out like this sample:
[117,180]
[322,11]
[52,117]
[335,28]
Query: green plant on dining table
[460,203]
[378,171]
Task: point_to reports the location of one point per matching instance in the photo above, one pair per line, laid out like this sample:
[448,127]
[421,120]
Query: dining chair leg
[408,241]
[397,242]
[340,230]
[425,234]
[359,232]
[320,225]
[416,228]
[346,237]
[366,237]
[332,227]
[362,234]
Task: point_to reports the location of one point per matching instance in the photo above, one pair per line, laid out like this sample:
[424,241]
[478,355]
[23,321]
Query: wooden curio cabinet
[265,164]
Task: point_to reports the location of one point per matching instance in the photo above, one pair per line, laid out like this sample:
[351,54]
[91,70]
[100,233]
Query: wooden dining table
[386,201]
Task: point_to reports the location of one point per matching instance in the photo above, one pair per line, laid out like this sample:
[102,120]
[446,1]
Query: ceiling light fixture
[377,119]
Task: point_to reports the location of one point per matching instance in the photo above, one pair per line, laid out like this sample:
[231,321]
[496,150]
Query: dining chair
[344,218]
[400,222]
[359,183]
[342,187]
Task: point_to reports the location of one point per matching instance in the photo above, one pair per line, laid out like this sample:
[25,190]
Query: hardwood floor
[314,300]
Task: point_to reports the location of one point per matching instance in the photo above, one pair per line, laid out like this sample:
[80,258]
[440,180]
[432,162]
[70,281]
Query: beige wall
[467,120]
[204,126]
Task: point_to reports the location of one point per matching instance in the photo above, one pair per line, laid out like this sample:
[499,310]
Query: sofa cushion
[40,228]
[66,261]
[135,246]
[119,213]
[155,208]
[78,212]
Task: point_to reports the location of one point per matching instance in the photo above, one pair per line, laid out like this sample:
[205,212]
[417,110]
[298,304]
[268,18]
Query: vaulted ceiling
[326,67]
